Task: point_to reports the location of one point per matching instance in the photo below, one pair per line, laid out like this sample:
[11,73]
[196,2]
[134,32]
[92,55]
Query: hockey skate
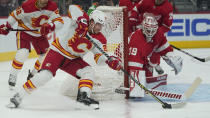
[30,75]
[159,70]
[15,101]
[12,81]
[84,99]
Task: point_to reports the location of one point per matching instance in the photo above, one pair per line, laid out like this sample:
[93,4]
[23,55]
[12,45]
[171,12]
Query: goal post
[117,19]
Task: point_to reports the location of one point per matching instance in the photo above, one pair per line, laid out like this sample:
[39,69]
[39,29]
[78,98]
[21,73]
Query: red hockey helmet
[149,25]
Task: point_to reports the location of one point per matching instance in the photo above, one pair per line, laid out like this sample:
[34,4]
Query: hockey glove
[47,28]
[4,29]
[174,61]
[82,28]
[114,63]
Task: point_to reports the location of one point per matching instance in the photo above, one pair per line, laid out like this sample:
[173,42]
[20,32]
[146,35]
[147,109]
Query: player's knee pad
[86,73]
[42,77]
[22,55]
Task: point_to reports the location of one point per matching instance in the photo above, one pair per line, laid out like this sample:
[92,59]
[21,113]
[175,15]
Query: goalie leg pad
[155,82]
[135,90]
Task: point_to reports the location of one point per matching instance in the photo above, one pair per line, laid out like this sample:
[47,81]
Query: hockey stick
[192,88]
[187,94]
[162,94]
[197,58]
[22,30]
[164,104]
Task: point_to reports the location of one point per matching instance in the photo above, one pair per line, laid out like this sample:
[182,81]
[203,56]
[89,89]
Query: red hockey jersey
[140,49]
[130,5]
[163,13]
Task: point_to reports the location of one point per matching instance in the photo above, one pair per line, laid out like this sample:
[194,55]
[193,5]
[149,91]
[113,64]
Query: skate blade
[95,106]
[82,106]
[11,105]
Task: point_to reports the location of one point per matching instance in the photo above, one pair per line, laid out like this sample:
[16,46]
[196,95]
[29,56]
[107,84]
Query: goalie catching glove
[114,63]
[174,61]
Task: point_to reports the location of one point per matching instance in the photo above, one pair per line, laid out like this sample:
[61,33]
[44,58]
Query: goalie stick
[197,58]
[187,94]
[164,104]
[162,94]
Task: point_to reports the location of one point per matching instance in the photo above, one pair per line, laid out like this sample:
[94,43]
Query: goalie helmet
[98,17]
[149,25]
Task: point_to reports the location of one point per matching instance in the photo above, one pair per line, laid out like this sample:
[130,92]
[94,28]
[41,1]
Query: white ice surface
[47,102]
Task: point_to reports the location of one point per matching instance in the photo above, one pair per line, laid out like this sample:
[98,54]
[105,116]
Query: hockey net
[107,80]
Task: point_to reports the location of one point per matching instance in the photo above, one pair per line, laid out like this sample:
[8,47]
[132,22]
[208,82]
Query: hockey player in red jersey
[163,12]
[66,54]
[130,5]
[142,44]
[40,15]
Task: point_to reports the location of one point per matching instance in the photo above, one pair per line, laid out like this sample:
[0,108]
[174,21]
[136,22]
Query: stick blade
[207,58]
[178,105]
[188,93]
[192,88]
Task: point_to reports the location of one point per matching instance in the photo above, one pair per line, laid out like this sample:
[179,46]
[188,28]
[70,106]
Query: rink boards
[187,31]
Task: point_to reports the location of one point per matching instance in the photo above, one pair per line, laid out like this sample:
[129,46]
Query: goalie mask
[150,26]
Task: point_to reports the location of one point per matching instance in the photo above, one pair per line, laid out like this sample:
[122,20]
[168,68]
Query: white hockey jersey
[71,46]
[30,17]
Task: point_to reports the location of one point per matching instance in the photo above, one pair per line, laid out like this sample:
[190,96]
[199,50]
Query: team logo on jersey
[79,44]
[37,22]
[48,64]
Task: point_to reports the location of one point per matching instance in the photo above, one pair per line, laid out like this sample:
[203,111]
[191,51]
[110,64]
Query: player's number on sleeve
[133,51]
